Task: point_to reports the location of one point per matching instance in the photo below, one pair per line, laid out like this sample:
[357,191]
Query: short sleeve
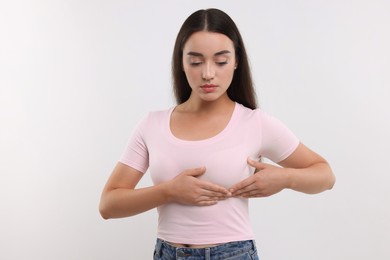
[278,141]
[136,153]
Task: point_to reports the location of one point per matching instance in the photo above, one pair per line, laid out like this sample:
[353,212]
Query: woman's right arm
[120,198]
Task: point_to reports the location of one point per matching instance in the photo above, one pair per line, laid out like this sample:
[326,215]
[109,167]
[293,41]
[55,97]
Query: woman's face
[209,62]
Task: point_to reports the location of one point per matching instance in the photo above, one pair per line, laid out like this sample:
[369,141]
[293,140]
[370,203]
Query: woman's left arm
[307,171]
[304,171]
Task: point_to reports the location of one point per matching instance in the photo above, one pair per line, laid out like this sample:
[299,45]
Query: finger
[255,194]
[257,165]
[241,185]
[248,191]
[215,195]
[196,172]
[219,190]
[252,194]
[207,202]
[251,189]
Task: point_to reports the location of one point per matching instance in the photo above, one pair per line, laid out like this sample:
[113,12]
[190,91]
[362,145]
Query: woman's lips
[208,88]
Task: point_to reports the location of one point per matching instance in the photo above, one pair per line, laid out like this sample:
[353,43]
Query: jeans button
[181,253]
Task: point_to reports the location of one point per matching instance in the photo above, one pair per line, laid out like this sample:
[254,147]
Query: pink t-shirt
[249,133]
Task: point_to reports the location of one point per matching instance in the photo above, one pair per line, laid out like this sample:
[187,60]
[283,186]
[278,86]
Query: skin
[209,58]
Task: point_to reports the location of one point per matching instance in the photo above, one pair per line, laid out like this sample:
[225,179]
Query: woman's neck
[199,106]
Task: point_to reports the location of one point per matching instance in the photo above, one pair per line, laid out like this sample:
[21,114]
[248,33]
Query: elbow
[326,183]
[104,212]
[332,182]
[329,178]
[104,215]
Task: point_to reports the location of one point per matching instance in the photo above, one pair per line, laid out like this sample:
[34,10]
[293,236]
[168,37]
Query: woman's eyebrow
[222,53]
[197,54]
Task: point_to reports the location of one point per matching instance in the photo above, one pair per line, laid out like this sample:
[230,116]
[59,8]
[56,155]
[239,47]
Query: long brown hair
[241,89]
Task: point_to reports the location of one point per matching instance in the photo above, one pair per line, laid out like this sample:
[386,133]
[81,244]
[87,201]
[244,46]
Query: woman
[202,154]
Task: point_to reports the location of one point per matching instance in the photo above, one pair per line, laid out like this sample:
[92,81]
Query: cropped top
[249,133]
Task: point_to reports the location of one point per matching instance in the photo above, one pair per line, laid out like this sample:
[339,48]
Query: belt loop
[207,253]
[254,244]
[158,246]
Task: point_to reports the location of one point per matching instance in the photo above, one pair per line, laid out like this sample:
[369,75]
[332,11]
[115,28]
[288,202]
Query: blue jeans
[240,250]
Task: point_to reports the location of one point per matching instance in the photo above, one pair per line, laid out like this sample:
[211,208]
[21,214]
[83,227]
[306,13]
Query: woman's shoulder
[154,117]
[257,116]
[160,113]
[244,111]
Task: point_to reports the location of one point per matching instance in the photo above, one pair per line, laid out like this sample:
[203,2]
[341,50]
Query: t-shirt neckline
[211,139]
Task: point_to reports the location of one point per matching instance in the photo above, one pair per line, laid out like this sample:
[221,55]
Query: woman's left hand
[266,181]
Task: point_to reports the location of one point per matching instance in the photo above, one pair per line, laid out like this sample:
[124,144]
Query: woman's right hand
[187,189]
[121,199]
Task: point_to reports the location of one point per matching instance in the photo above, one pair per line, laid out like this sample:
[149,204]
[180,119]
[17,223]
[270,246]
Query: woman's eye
[198,63]
[194,64]
[221,63]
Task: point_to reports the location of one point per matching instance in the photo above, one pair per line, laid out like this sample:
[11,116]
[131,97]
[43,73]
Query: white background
[77,76]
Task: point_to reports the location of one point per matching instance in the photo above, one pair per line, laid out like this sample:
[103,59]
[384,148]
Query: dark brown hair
[241,89]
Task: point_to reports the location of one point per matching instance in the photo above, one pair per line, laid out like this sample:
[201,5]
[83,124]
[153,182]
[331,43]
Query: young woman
[203,154]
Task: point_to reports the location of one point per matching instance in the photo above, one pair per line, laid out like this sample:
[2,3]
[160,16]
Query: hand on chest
[225,166]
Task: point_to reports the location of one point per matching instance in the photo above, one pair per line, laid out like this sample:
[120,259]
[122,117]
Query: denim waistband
[232,250]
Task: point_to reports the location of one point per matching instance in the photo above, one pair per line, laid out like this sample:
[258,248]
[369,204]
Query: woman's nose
[208,72]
